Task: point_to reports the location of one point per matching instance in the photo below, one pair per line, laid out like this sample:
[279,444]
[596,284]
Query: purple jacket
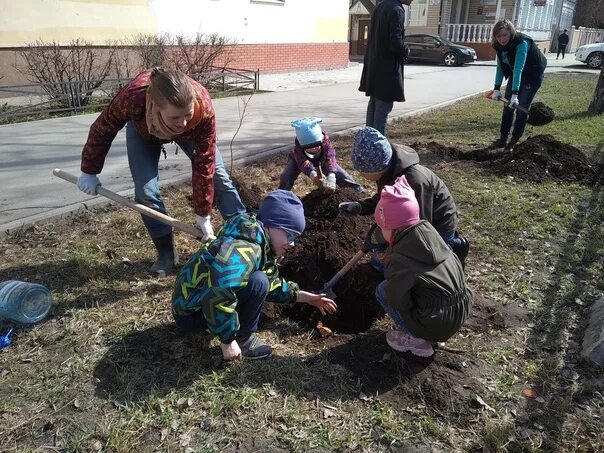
[327,159]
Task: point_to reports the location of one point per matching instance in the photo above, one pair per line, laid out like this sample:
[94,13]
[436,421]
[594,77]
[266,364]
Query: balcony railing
[469,32]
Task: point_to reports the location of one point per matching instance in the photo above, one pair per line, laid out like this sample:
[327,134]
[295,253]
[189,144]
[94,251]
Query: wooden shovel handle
[184,227]
[489,95]
[336,278]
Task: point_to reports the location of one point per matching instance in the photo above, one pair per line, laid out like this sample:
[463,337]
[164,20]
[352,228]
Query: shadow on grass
[162,359]
[560,323]
[81,283]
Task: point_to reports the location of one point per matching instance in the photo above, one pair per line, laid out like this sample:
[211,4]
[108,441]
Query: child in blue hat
[314,155]
[223,286]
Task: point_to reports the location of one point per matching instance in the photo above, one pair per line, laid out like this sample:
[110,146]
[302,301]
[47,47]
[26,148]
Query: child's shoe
[402,342]
[254,348]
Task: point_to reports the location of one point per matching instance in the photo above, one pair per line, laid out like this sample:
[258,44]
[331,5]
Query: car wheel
[594,60]
[450,59]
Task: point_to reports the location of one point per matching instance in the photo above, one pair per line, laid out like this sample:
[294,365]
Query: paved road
[29,151]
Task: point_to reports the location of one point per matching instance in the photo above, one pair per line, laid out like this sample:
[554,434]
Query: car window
[413,39]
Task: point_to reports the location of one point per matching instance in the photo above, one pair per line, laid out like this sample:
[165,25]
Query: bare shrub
[150,49]
[198,55]
[68,74]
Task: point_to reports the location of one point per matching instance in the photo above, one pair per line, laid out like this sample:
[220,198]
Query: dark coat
[563,39]
[382,75]
[425,283]
[436,204]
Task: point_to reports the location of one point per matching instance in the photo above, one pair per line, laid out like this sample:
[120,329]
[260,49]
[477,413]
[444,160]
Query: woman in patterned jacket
[160,106]
[222,287]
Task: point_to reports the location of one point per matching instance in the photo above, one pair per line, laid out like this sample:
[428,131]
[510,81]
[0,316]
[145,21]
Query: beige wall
[244,21]
[96,21]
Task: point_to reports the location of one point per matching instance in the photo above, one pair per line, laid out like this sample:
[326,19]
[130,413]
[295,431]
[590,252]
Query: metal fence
[77,95]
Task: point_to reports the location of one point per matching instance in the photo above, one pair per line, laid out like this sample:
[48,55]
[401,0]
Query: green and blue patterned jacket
[211,278]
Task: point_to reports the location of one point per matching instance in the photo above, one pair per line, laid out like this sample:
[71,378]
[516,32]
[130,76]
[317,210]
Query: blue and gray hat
[371,151]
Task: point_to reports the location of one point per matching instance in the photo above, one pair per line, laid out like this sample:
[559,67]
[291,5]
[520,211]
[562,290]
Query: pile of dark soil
[540,114]
[537,159]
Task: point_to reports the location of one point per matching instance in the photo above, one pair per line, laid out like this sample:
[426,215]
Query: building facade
[270,35]
[470,22]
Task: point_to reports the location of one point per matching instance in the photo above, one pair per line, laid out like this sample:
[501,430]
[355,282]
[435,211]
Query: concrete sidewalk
[30,151]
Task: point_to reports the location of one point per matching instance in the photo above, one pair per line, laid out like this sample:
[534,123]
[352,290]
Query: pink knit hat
[397,206]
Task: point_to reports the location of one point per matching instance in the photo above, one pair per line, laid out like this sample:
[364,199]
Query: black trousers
[561,48]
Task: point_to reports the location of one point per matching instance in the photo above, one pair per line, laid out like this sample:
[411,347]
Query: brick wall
[288,57]
[266,57]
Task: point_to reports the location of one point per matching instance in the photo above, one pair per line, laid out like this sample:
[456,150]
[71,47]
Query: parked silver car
[592,54]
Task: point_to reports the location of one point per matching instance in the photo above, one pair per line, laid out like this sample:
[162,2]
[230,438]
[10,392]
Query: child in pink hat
[425,292]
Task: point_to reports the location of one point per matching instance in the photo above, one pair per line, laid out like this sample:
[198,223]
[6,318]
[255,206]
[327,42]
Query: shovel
[368,245]
[184,227]
[539,114]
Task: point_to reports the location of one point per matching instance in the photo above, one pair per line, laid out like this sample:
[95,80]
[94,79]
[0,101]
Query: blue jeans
[528,90]
[143,159]
[377,114]
[392,312]
[249,305]
[291,173]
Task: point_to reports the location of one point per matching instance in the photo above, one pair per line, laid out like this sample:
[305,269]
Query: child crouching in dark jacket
[425,292]
[223,286]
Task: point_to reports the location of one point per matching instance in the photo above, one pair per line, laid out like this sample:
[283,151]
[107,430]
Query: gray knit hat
[371,151]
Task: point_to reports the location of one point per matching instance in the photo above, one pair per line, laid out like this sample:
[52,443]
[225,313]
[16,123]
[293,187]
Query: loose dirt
[536,159]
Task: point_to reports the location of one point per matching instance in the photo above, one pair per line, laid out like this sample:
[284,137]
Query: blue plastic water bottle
[24,302]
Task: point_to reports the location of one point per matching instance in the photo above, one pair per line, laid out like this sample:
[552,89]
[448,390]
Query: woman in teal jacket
[521,62]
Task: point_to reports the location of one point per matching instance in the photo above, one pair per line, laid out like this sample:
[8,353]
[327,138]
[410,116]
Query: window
[418,13]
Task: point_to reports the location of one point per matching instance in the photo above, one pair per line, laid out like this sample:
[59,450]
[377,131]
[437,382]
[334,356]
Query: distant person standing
[383,67]
[562,43]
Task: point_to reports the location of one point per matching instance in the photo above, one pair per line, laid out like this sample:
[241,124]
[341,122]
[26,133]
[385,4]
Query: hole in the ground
[328,243]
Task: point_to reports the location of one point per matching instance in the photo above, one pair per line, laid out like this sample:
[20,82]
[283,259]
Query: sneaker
[499,143]
[402,342]
[254,348]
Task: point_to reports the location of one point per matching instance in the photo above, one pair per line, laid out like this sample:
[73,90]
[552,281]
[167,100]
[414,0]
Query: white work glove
[329,184]
[514,102]
[204,225]
[88,183]
[496,95]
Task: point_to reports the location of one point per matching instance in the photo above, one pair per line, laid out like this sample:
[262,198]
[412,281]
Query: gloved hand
[315,179]
[350,207]
[88,183]
[204,225]
[329,183]
[496,95]
[514,102]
